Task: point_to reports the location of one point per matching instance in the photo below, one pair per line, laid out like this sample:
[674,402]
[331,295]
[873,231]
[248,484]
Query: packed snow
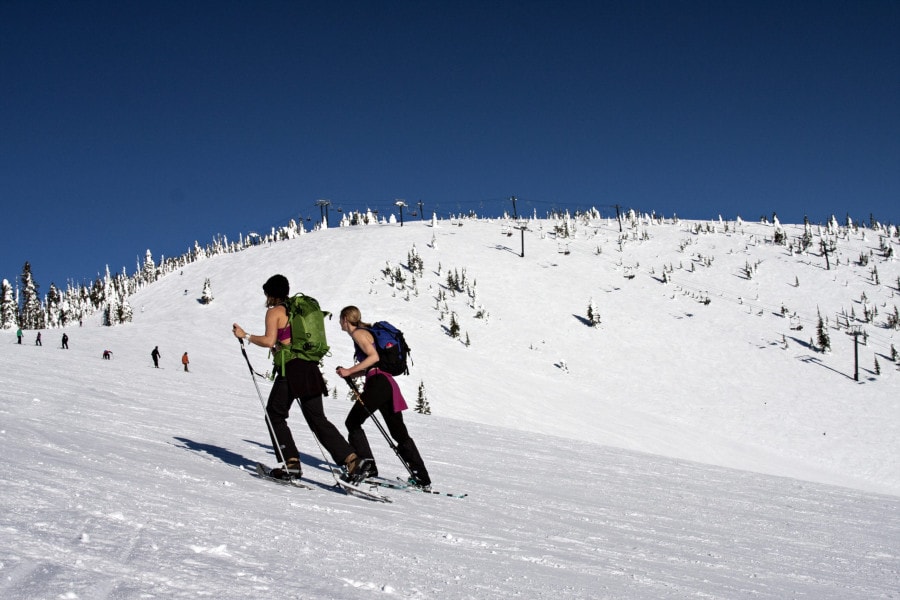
[694,443]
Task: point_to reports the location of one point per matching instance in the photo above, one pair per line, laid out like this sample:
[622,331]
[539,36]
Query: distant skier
[37,340]
[155,356]
[185,361]
[107,354]
[65,342]
[19,335]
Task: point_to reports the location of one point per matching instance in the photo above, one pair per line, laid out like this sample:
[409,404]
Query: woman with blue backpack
[381,393]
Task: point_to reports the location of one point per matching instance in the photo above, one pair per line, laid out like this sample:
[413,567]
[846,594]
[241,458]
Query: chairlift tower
[401,205]
[522,225]
[323,206]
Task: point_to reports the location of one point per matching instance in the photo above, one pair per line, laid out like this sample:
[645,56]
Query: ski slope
[681,448]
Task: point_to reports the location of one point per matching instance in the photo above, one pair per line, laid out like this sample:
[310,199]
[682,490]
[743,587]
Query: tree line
[22,305]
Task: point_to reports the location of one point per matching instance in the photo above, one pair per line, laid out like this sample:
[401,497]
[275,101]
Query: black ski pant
[378,395]
[279,407]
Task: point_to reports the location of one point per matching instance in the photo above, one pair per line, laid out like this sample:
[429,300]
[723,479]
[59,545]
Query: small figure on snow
[65,342]
[155,356]
[37,340]
[185,361]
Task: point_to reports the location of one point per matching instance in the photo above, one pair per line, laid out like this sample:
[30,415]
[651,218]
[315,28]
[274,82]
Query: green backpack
[307,323]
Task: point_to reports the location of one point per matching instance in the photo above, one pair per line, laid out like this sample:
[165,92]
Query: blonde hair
[353,316]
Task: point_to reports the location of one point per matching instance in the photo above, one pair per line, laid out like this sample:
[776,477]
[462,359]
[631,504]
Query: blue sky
[127,126]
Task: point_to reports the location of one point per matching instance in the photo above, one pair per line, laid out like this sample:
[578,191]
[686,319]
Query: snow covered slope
[692,443]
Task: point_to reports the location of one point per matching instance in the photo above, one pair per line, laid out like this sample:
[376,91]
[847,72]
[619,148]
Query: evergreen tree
[9,317]
[593,314]
[823,340]
[207,296]
[68,307]
[125,312]
[32,314]
[454,326]
[110,312]
[422,406]
[54,299]
[148,273]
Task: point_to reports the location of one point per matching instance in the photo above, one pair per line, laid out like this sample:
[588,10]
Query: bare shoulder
[361,336]
[278,313]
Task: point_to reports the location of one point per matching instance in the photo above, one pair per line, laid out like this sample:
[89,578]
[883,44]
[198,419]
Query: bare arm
[275,317]
[366,343]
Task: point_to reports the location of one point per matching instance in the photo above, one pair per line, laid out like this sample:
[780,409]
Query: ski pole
[278,454]
[390,442]
[319,444]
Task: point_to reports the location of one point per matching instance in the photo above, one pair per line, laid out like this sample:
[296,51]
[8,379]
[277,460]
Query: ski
[355,490]
[264,472]
[401,484]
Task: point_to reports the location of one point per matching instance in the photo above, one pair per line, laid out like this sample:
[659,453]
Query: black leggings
[278,408]
[378,395]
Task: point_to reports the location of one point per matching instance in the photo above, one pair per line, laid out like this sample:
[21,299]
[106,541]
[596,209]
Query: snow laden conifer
[422,406]
[822,340]
[53,308]
[414,261]
[780,237]
[207,295]
[117,310]
[32,314]
[8,308]
[453,330]
[593,313]
[148,270]
[125,311]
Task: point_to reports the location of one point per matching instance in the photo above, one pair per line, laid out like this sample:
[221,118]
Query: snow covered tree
[117,310]
[824,342]
[125,311]
[148,271]
[454,326]
[893,319]
[100,290]
[32,314]
[207,296]
[593,314]
[414,261]
[9,317]
[110,312]
[780,237]
[422,406]
[54,299]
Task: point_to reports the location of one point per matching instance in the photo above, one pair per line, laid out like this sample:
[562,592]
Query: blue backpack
[393,351]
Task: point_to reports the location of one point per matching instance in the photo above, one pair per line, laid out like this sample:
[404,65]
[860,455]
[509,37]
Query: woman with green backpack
[297,378]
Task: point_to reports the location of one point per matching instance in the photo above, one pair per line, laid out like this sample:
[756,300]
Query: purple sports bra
[283,335]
